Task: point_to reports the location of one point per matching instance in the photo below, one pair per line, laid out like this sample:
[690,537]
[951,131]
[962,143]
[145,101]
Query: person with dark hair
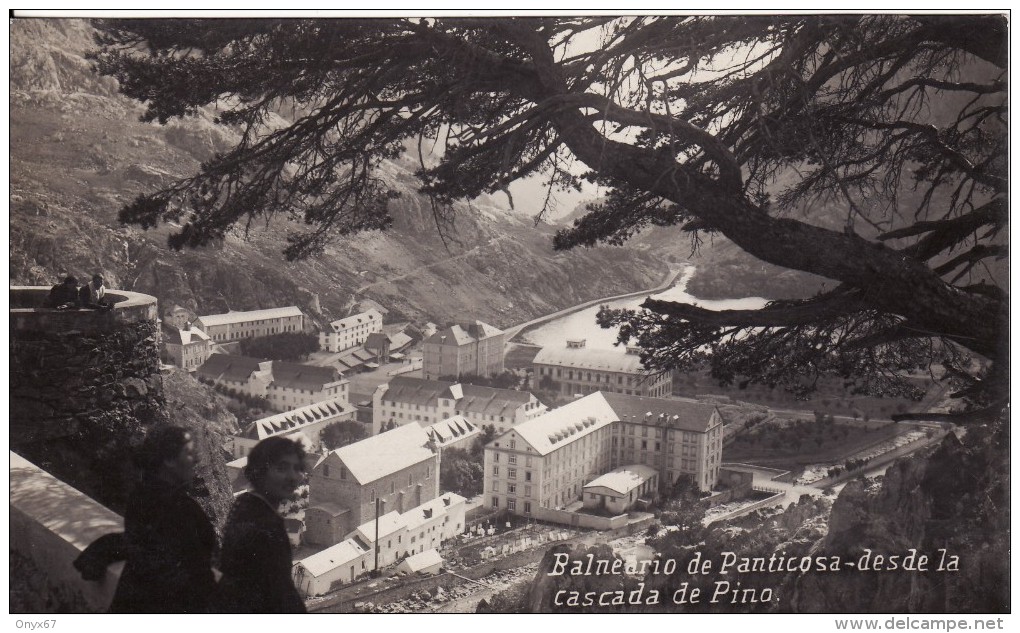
[64,296]
[256,558]
[93,294]
[169,541]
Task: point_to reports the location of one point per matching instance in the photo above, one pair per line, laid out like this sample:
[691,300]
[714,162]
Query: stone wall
[84,386]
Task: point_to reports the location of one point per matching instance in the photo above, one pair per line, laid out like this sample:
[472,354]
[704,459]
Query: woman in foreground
[256,555]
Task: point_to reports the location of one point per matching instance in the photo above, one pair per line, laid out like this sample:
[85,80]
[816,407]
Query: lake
[581,324]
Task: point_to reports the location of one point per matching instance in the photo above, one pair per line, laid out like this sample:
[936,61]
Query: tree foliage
[339,434]
[746,127]
[461,471]
[282,346]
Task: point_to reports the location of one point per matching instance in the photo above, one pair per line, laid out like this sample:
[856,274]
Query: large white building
[234,326]
[404,400]
[350,331]
[575,369]
[546,462]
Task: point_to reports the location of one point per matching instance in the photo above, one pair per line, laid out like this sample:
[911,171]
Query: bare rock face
[194,406]
[953,503]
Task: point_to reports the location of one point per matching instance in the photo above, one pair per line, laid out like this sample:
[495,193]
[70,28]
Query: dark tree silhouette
[763,129]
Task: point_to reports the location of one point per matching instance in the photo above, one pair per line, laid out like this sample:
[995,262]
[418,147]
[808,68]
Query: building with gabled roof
[546,462]
[453,432]
[286,386]
[250,376]
[461,349]
[308,420]
[187,347]
[400,467]
[350,331]
[234,326]
[575,369]
[619,489]
[404,400]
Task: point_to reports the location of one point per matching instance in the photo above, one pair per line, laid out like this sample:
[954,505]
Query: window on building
[512,473]
[495,471]
[495,502]
[511,505]
[527,507]
[527,475]
[511,489]
[512,459]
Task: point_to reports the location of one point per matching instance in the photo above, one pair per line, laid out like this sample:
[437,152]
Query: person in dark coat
[168,541]
[64,296]
[256,558]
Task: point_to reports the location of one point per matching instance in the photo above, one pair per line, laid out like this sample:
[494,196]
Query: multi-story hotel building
[546,462]
[677,437]
[350,331]
[578,370]
[470,348]
[404,400]
[234,326]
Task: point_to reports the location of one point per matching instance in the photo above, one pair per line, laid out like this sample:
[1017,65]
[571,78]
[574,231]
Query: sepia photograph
[520,313]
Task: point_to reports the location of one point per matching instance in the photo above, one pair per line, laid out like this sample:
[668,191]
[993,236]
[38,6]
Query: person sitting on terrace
[64,296]
[93,294]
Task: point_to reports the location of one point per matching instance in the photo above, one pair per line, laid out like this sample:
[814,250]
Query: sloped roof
[175,336]
[388,524]
[566,424]
[492,401]
[453,429]
[386,453]
[430,510]
[229,367]
[684,414]
[332,557]
[249,315]
[422,560]
[376,340]
[409,390]
[288,422]
[463,333]
[399,340]
[588,358]
[297,376]
[355,320]
[623,479]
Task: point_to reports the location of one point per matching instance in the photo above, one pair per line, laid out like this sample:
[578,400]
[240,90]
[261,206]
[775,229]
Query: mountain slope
[78,153]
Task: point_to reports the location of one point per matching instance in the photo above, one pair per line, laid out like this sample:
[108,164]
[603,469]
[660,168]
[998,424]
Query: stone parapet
[51,523]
